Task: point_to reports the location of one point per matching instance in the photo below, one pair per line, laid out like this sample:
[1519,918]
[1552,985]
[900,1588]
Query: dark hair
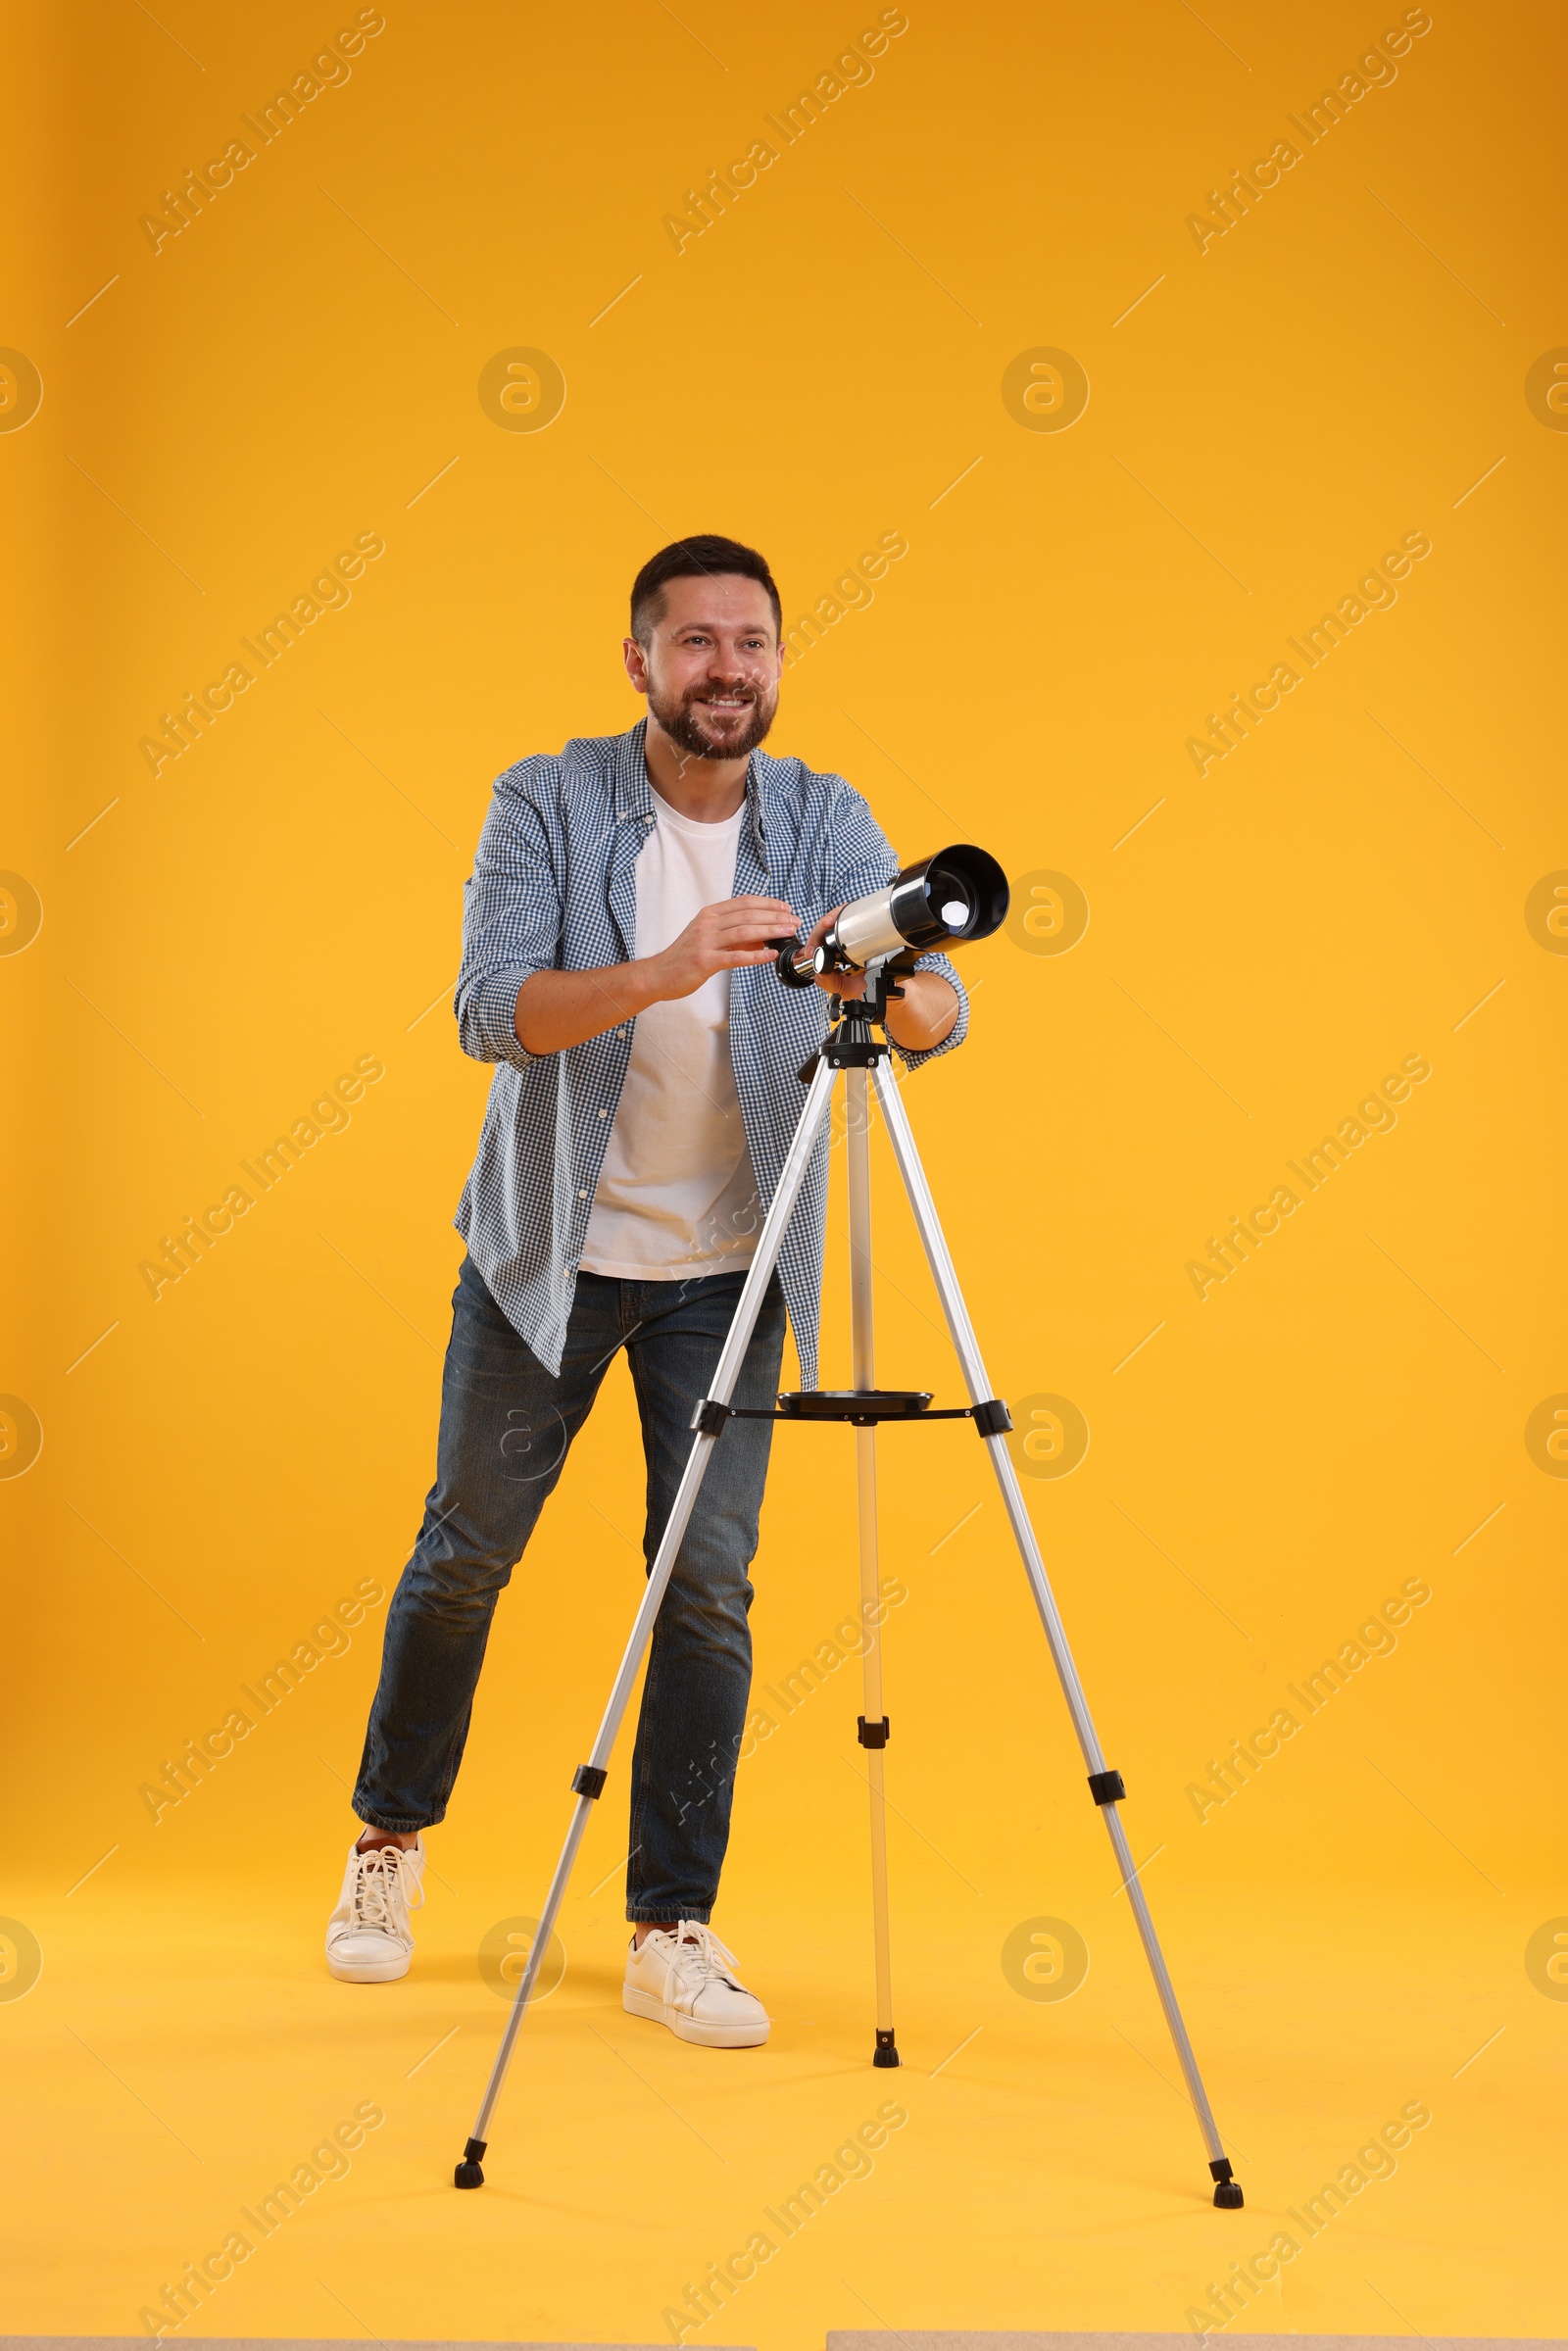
[699,558]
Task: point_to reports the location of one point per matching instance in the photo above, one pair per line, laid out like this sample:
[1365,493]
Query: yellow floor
[182,2054]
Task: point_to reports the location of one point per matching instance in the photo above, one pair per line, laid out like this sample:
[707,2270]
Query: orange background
[1266,940]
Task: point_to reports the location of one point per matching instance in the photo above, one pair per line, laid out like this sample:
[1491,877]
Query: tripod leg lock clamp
[874,1735]
[992,1418]
[1107,1787]
[710,1416]
[588,1780]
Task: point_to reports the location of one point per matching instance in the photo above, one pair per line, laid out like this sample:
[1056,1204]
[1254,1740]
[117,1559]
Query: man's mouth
[715,722]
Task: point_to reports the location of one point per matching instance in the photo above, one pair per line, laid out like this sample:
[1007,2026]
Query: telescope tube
[961,893]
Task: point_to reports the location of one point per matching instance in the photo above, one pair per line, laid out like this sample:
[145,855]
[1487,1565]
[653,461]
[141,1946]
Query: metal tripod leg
[873,1722]
[1105,1786]
[589,1778]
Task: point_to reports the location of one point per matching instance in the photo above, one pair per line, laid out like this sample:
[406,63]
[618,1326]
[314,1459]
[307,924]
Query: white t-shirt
[676,1195]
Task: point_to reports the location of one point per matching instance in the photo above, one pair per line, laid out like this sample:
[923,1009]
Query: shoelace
[700,1954]
[380,1881]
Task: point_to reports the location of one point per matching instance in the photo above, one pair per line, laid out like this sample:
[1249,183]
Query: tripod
[854,1049]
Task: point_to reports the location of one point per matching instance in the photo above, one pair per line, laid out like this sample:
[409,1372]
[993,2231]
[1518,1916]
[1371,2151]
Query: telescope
[959,894]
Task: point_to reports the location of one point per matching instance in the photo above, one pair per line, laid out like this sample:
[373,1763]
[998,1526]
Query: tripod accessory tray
[861,1408]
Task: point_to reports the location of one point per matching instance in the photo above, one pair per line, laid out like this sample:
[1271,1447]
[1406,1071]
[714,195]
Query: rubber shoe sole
[369,1970]
[685,2028]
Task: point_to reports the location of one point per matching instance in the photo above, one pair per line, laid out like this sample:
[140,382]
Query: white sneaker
[368,1939]
[683,1976]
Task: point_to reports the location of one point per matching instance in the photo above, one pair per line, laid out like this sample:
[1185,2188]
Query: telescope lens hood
[959,892]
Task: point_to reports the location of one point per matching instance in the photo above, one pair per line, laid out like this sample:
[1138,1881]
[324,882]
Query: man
[616,969]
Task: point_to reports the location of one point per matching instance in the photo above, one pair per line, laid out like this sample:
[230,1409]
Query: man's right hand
[721,937]
[556,1010]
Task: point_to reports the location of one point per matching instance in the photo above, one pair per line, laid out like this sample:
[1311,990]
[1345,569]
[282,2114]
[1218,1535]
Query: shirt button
[601,1114]
[583,1195]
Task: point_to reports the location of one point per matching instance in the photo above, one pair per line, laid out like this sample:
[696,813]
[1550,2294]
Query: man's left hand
[925,1009]
[850,985]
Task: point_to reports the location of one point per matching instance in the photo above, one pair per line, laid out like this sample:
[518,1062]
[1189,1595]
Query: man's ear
[636,664]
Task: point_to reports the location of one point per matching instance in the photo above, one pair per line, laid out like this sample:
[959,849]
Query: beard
[686,721]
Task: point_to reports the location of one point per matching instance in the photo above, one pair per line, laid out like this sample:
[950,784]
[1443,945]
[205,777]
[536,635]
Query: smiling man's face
[712,665]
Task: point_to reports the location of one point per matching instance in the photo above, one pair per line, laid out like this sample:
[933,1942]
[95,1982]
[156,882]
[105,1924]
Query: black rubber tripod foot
[469,2172]
[887,2049]
[1227,2191]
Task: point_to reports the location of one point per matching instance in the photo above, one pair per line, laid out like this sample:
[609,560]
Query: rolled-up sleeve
[861,859]
[512,920]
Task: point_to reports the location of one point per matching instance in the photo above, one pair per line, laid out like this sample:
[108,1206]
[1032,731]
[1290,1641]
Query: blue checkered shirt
[553,889]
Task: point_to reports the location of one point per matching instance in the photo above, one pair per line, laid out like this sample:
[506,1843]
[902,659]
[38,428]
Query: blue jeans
[506,1427]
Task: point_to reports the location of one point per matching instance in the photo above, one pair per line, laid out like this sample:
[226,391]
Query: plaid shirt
[553,889]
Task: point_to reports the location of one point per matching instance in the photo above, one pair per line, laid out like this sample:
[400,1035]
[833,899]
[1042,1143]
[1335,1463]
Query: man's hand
[924,1015]
[720,937]
[845,983]
[556,1010]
